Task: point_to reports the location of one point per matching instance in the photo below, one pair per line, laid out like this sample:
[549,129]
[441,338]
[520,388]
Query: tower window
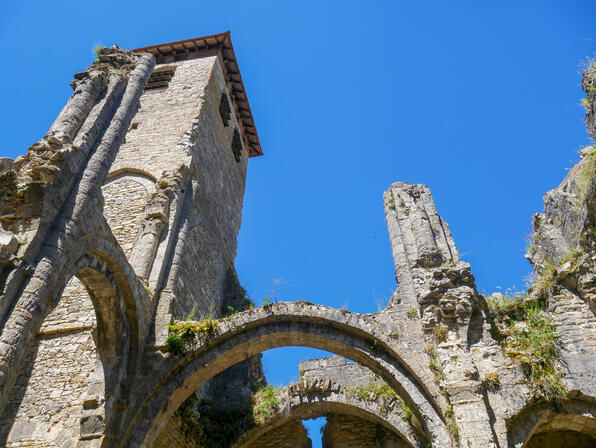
[224,109]
[160,77]
[236,145]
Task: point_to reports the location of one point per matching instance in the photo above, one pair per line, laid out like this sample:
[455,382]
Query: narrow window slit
[224,109]
[236,145]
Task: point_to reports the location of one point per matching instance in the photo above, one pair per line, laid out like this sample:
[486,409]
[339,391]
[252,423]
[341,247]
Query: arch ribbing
[577,414]
[354,336]
[309,399]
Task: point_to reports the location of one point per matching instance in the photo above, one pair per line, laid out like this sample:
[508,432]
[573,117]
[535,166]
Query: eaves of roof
[219,45]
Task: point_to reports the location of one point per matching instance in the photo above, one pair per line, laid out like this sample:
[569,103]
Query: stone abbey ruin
[123,324]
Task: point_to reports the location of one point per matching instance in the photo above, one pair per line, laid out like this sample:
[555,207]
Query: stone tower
[171,195]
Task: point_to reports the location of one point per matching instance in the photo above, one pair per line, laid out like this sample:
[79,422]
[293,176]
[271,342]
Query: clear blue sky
[480,100]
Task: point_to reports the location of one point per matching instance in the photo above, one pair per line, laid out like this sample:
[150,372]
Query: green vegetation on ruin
[211,426]
[440,333]
[526,331]
[586,174]
[264,403]
[435,365]
[373,390]
[182,333]
[451,423]
[491,381]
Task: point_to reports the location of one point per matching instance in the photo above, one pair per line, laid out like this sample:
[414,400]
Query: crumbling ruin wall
[54,350]
[123,220]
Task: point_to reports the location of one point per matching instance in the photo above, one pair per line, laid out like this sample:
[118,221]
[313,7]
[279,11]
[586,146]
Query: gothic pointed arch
[289,324]
[80,354]
[568,424]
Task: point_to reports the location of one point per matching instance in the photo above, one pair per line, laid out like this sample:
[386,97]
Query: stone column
[88,86]
[440,288]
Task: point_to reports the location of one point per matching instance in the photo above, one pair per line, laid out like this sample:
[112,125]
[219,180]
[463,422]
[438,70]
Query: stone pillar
[435,283]
[156,219]
[88,86]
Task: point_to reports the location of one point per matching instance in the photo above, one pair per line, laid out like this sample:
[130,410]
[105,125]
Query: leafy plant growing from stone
[492,382]
[440,333]
[534,346]
[22,240]
[528,335]
[97,50]
[265,403]
[452,426]
[586,174]
[176,343]
[182,333]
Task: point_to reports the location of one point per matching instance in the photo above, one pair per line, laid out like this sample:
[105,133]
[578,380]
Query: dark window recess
[236,145]
[134,126]
[224,109]
[160,77]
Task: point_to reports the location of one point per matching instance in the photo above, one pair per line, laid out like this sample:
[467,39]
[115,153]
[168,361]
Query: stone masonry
[123,323]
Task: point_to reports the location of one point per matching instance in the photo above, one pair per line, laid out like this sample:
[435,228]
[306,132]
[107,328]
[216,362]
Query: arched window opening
[125,198]
[62,392]
[569,424]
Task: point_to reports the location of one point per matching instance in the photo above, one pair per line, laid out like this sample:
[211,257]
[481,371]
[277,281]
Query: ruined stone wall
[172,199]
[337,368]
[343,431]
[125,199]
[46,403]
[180,129]
[291,435]
[137,195]
[50,359]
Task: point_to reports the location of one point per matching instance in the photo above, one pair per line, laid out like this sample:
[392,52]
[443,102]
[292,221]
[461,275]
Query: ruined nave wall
[46,404]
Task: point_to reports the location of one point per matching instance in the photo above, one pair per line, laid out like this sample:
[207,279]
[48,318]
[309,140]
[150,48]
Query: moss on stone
[182,333]
[452,426]
[491,381]
[587,170]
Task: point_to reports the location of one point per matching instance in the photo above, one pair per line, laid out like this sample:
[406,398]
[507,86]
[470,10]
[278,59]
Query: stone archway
[570,424]
[82,350]
[353,336]
[314,398]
